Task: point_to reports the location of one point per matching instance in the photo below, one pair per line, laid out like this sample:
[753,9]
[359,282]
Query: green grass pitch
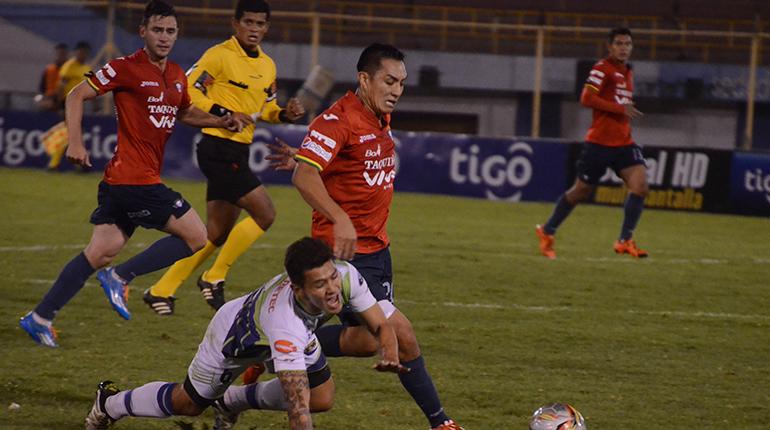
[679,340]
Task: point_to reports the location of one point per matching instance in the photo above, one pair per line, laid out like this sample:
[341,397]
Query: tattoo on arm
[296,391]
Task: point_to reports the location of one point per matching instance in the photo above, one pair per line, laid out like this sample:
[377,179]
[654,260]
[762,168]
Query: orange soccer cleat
[629,247]
[546,242]
[448,425]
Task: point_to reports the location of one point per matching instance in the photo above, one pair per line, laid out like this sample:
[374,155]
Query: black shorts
[225,164]
[595,159]
[129,206]
[377,270]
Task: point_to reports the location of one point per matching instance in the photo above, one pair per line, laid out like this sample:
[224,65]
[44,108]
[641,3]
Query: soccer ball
[558,416]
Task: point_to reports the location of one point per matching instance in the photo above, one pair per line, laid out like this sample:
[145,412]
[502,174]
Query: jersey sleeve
[326,136]
[186,100]
[111,77]
[596,78]
[287,350]
[360,298]
[201,76]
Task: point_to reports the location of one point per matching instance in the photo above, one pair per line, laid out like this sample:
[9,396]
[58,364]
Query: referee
[233,76]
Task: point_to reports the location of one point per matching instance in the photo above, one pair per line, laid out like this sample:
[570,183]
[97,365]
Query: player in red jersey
[609,91]
[345,170]
[150,95]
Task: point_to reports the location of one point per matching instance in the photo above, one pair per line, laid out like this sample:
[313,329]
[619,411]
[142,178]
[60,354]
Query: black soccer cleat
[214,293]
[163,306]
[98,419]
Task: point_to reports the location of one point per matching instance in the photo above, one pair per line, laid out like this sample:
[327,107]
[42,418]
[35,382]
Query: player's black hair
[60,45]
[371,59]
[618,31]
[303,255]
[255,6]
[82,45]
[159,8]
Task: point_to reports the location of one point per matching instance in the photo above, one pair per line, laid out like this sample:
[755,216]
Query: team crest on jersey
[179,87]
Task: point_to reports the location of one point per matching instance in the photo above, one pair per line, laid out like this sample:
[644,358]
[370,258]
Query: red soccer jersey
[146,104]
[613,83]
[357,160]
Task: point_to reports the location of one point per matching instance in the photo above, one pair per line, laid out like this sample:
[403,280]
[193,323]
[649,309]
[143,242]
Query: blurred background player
[70,74]
[74,70]
[609,91]
[131,193]
[275,322]
[48,99]
[235,75]
[345,171]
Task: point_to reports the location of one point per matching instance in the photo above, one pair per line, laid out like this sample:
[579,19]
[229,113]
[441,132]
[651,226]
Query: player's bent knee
[322,395]
[183,404]
[265,219]
[408,347]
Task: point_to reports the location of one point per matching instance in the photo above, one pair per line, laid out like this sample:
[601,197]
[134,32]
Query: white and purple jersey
[271,317]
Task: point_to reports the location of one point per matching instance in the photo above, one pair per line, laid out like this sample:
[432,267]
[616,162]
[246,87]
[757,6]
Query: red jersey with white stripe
[614,83]
[147,101]
[357,159]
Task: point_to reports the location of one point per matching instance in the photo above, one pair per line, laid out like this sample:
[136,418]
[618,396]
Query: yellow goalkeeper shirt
[226,79]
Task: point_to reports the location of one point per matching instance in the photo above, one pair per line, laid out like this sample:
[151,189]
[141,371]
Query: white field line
[548,309]
[543,309]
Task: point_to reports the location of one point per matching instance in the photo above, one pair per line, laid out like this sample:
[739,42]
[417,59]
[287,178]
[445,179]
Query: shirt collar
[239,49]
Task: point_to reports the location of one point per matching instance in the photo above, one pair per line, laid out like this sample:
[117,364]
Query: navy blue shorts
[225,164]
[595,159]
[129,206]
[377,270]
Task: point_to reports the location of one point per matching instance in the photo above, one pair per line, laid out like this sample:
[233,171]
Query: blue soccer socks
[632,212]
[70,281]
[160,254]
[420,386]
[560,213]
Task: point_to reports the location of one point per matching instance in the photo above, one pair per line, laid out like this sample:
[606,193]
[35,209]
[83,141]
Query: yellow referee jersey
[72,72]
[225,78]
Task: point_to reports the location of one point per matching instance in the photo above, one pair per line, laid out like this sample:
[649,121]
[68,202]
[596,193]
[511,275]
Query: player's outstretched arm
[308,181]
[76,151]
[296,392]
[282,155]
[379,326]
[195,117]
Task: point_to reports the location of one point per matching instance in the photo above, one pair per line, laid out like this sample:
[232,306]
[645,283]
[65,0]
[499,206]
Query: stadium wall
[689,85]
[508,169]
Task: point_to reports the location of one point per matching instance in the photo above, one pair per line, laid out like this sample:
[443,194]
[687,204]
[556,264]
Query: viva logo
[165,121]
[379,178]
